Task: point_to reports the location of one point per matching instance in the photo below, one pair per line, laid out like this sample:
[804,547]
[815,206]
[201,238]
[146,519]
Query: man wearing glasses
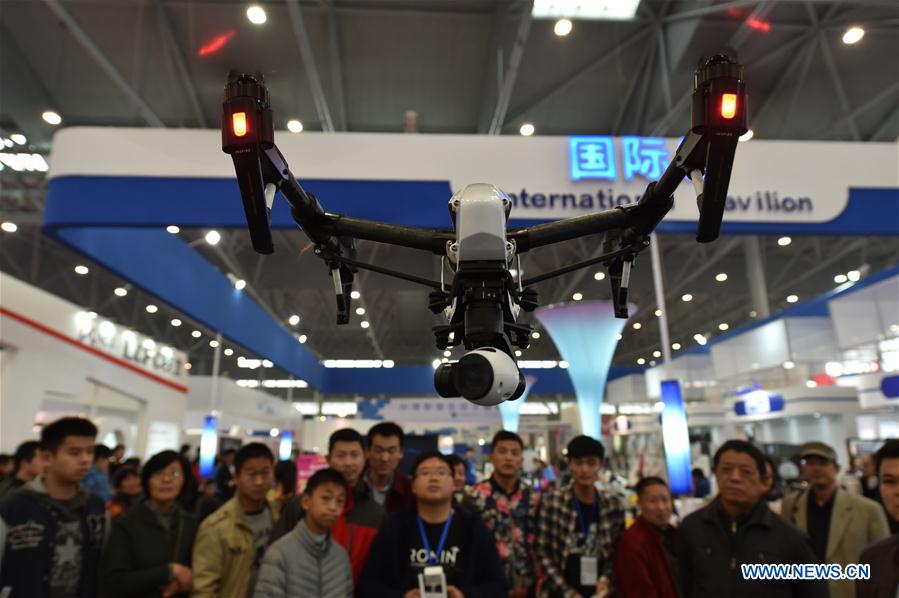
[433,534]
[839,523]
[390,487]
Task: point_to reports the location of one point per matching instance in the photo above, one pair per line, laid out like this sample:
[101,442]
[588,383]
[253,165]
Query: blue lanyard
[424,539]
[580,515]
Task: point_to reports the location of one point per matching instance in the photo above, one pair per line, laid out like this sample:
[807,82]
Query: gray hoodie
[305,565]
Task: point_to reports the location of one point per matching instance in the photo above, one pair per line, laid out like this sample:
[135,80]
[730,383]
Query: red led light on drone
[758,24]
[729,105]
[239,123]
[216,44]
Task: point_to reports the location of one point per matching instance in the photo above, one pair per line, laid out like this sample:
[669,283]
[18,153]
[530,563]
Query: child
[307,562]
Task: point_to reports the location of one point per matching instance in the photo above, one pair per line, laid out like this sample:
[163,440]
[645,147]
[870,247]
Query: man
[578,527]
[869,482]
[231,541]
[97,480]
[361,516]
[28,465]
[433,534]
[644,557]
[738,528]
[389,487]
[7,466]
[51,530]
[224,474]
[883,556]
[509,510]
[839,523]
[458,478]
[701,485]
[117,458]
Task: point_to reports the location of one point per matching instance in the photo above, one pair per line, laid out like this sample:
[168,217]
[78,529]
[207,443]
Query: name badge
[589,573]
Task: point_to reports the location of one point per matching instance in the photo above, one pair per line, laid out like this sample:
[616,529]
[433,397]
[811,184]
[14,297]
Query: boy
[307,561]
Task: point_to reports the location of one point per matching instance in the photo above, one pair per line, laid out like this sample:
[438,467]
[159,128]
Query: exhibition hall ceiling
[465,67]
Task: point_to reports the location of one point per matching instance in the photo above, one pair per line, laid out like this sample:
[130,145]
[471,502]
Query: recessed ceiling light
[187,366]
[51,117]
[19,138]
[637,326]
[784,241]
[172,229]
[214,343]
[562,27]
[535,335]
[364,323]
[721,276]
[792,298]
[9,227]
[577,296]
[447,353]
[658,313]
[228,352]
[240,284]
[196,334]
[723,326]
[293,320]
[303,338]
[619,336]
[854,275]
[599,276]
[213,237]
[355,294]
[853,35]
[656,353]
[641,361]
[175,322]
[151,309]
[840,278]
[687,297]
[82,270]
[256,15]
[527,129]
[360,311]
[753,314]
[120,291]
[675,346]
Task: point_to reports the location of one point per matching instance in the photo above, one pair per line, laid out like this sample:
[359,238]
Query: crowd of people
[77,520]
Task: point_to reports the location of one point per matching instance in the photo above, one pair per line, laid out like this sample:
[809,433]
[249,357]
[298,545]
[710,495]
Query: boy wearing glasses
[433,534]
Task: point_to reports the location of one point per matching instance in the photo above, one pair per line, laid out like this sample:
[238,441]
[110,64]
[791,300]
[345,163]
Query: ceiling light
[51,117]
[854,275]
[811,383]
[658,313]
[578,9]
[792,298]
[562,27]
[303,338]
[723,326]
[175,322]
[120,292]
[656,353]
[577,296]
[213,237]
[784,241]
[853,35]
[256,15]
[19,138]
[444,360]
[228,352]
[789,365]
[840,278]
[641,361]
[151,309]
[687,297]
[293,320]
[746,136]
[240,284]
[700,339]
[435,364]
[214,343]
[619,336]
[9,227]
[535,335]
[82,270]
[364,323]
[196,334]
[563,364]
[267,364]
[187,366]
[753,314]
[675,346]
[7,142]
[652,363]
[388,363]
[360,311]
[721,276]
[637,326]
[527,129]
[294,126]
[172,229]
[599,276]
[447,353]
[355,294]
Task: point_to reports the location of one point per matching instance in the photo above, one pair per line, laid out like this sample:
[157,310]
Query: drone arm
[565,230]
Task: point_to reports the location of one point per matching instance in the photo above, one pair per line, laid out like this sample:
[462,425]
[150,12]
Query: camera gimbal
[483,300]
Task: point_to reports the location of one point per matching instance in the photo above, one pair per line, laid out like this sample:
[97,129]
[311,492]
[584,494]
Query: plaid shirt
[557,531]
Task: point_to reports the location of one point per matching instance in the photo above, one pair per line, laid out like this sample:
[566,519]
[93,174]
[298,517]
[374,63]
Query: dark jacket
[883,557]
[355,530]
[30,530]
[400,496]
[9,485]
[644,568]
[388,572]
[710,552]
[136,560]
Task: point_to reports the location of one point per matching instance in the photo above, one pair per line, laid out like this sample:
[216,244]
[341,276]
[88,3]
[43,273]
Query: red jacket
[357,528]
[643,568]
[400,496]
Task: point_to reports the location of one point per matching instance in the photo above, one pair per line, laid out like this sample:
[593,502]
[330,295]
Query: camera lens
[473,376]
[444,382]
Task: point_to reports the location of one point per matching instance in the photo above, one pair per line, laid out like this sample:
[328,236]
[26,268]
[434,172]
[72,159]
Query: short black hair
[26,452]
[455,460]
[286,476]
[228,451]
[506,435]
[889,450]
[101,451]
[697,472]
[345,435]
[123,473]
[585,446]
[386,430]
[325,476]
[55,433]
[741,446]
[157,463]
[648,481]
[254,450]
[431,455]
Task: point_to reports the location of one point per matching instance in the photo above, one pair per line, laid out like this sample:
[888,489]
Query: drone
[483,300]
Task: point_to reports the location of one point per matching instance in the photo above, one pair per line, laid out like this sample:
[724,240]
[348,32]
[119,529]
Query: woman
[643,561]
[149,549]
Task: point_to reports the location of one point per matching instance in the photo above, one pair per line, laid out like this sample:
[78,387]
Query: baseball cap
[818,449]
